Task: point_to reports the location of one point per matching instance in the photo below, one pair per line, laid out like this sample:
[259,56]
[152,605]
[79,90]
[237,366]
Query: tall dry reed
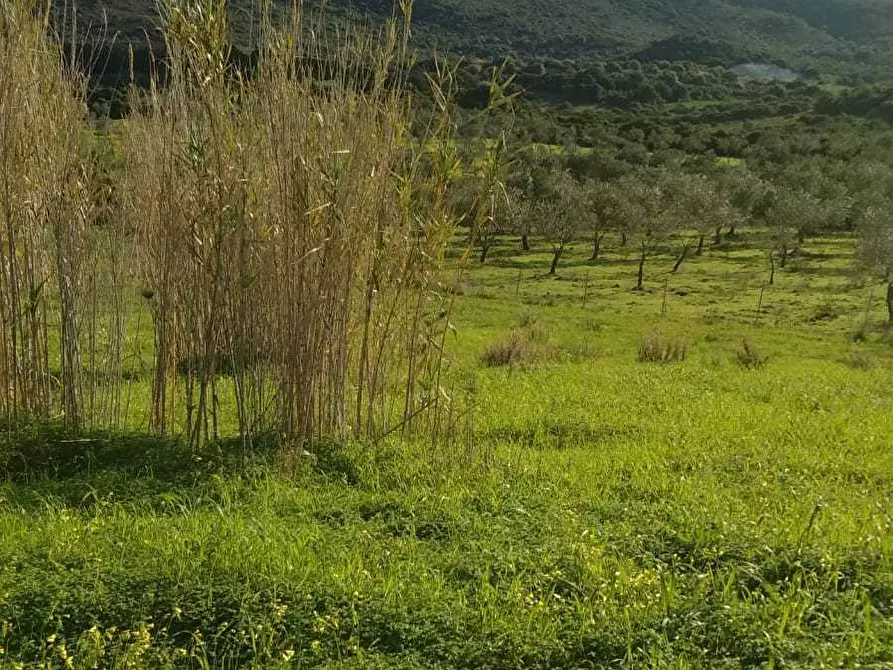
[48,205]
[291,230]
[283,228]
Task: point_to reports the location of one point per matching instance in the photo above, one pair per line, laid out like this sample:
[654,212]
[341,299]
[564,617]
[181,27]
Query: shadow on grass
[43,464]
[50,450]
[821,271]
[563,434]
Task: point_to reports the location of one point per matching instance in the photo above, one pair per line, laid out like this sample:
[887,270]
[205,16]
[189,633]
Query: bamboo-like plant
[286,229]
[291,230]
[46,209]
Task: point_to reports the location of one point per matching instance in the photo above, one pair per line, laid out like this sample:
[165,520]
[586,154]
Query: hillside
[834,36]
[795,30]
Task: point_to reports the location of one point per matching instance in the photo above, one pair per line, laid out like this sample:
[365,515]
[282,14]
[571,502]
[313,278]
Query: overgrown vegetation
[593,512]
[240,209]
[260,409]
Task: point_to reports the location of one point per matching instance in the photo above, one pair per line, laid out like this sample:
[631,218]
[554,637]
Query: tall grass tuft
[750,357]
[289,224]
[656,348]
[48,358]
[282,230]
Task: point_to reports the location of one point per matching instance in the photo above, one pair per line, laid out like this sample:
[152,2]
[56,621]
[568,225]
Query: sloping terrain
[849,35]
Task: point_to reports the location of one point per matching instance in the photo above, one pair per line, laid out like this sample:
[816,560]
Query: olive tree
[790,212]
[814,178]
[645,216]
[876,245]
[482,198]
[520,220]
[697,203]
[746,193]
[556,211]
[602,206]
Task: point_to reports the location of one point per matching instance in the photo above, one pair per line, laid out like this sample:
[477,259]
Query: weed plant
[656,348]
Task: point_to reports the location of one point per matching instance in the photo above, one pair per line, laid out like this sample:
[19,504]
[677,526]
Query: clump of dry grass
[512,350]
[750,357]
[656,348]
[519,347]
[860,360]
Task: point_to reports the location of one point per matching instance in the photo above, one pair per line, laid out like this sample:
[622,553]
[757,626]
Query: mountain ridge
[850,37]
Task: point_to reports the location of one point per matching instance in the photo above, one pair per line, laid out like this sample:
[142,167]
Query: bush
[749,356]
[825,312]
[510,351]
[657,349]
[519,348]
[859,360]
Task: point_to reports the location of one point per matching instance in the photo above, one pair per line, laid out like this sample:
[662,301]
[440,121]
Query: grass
[592,511]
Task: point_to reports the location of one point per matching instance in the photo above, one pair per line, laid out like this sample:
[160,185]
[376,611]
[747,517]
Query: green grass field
[592,511]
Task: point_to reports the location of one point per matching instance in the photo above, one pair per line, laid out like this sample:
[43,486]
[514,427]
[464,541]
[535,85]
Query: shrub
[519,348]
[859,360]
[528,319]
[658,349]
[749,356]
[825,312]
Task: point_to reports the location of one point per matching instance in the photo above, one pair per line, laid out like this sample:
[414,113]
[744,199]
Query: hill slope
[828,35]
[801,32]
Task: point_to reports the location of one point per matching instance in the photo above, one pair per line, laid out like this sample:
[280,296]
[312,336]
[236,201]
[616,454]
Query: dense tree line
[686,205]
[643,148]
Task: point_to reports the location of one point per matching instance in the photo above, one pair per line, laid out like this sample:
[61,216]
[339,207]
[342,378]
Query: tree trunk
[485,250]
[717,236]
[555,258]
[771,270]
[733,232]
[525,243]
[890,300]
[700,250]
[801,235]
[596,247]
[783,261]
[640,284]
[623,239]
[682,257]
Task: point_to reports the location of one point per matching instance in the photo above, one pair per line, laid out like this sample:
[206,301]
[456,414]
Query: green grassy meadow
[590,510]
